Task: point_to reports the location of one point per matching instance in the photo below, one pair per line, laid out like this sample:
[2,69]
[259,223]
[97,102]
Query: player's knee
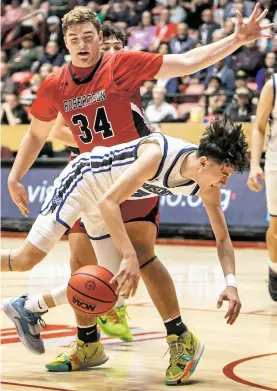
[144,251]
[145,267]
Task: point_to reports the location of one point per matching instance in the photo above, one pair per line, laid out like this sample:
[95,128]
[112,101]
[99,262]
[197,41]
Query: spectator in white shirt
[159,110]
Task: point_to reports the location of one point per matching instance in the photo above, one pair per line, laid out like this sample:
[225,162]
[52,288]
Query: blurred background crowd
[32,46]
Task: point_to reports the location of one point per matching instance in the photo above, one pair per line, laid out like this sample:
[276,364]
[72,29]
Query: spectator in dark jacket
[270,62]
[194,10]
[182,42]
[207,28]
[54,31]
[12,112]
[123,11]
[242,81]
[52,56]
[241,109]
[226,75]
[250,59]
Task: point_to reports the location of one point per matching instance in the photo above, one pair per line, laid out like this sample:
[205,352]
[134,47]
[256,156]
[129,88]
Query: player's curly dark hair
[109,31]
[225,143]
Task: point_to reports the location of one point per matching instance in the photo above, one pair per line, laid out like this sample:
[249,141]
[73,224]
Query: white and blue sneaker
[28,324]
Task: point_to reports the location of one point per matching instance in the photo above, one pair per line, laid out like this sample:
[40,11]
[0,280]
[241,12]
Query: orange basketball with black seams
[90,292]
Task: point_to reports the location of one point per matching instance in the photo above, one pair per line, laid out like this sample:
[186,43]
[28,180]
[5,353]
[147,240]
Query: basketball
[89,290]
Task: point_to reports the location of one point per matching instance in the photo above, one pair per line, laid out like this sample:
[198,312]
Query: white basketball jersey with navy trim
[80,186]
[108,163]
[272,138]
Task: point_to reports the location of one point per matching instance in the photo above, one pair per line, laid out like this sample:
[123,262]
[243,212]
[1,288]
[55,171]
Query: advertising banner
[242,207]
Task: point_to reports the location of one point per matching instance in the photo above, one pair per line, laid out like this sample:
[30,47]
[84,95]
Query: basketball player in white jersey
[95,184]
[267,111]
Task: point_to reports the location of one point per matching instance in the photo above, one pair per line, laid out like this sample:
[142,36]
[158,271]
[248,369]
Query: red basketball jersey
[104,108]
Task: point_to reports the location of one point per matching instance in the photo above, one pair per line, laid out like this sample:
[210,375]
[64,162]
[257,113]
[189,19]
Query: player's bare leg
[185,349]
[22,258]
[82,254]
[155,276]
[271,240]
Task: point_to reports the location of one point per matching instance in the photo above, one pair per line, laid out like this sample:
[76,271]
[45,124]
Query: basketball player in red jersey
[93,94]
[114,323]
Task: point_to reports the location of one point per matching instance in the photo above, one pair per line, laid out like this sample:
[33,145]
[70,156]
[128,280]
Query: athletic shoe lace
[176,349]
[112,316]
[122,314]
[36,328]
[75,348]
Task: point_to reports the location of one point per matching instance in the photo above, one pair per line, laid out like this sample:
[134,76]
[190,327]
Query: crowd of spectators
[33,46]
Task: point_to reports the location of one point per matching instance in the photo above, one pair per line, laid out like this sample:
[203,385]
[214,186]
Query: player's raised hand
[256,174]
[252,30]
[128,277]
[19,195]
[230,294]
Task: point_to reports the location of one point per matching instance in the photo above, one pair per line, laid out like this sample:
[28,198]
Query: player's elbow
[190,65]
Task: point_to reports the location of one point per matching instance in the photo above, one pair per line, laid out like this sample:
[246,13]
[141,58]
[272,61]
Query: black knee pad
[147,262]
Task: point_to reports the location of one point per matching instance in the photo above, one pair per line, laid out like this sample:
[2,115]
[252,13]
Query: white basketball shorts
[271,182]
[72,198]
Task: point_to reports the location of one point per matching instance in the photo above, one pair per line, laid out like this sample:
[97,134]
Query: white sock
[59,295]
[36,303]
[170,319]
[85,327]
[273,266]
[120,301]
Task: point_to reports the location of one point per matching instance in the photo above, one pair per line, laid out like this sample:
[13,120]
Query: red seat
[196,89]
[22,77]
[184,108]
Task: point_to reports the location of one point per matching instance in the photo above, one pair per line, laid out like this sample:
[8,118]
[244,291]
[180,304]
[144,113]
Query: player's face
[83,43]
[210,174]
[112,45]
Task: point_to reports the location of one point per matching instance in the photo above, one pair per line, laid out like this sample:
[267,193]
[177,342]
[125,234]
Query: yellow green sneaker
[122,317]
[81,355]
[185,353]
[114,324]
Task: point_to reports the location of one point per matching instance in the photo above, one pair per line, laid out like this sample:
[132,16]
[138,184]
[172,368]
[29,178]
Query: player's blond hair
[80,15]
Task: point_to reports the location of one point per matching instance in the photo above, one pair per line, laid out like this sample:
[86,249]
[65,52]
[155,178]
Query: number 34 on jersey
[101,125]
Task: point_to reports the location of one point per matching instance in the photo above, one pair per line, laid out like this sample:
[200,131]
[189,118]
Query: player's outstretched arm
[212,202]
[144,168]
[29,149]
[62,132]
[175,65]
[258,135]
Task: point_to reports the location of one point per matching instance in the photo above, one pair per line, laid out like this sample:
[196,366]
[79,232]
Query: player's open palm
[19,195]
[252,30]
[127,277]
[230,294]
[256,176]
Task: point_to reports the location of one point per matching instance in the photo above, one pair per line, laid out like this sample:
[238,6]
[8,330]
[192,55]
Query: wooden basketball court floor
[238,357]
